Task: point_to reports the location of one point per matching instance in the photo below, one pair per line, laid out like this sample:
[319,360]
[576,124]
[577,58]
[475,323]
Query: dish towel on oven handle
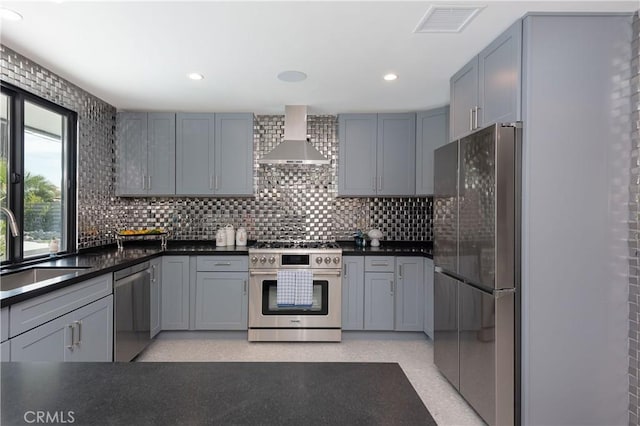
[304,288]
[286,288]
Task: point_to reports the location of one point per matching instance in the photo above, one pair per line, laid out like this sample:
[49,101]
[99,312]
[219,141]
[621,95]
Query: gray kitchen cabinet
[221,300]
[175,293]
[409,309]
[146,154]
[85,334]
[432,131]
[357,159]
[31,313]
[214,154]
[376,154]
[428,297]
[233,154]
[4,324]
[156,296]
[353,293]
[195,153]
[488,89]
[5,351]
[379,290]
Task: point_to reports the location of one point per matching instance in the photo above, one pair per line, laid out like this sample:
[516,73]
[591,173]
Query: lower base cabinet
[221,301]
[353,293]
[85,334]
[409,293]
[379,299]
[175,293]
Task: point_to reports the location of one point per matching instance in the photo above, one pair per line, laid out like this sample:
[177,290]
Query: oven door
[325,311]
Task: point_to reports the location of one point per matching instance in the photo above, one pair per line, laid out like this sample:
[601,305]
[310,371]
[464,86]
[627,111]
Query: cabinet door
[93,333]
[195,154]
[357,140]
[499,71]
[221,301]
[379,289]
[132,153]
[353,293]
[428,297]
[396,154]
[410,294]
[432,131]
[50,342]
[464,98]
[175,293]
[233,154]
[156,296]
[161,154]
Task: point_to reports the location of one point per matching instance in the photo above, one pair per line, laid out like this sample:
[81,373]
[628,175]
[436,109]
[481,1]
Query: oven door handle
[315,275]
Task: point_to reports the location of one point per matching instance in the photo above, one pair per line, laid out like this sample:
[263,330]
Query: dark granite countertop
[389,248]
[211,393]
[102,260]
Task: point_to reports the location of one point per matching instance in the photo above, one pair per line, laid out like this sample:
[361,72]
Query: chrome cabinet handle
[345,270]
[245,287]
[223,264]
[380,264]
[149,177]
[71,326]
[216,182]
[391,287]
[470,118]
[475,117]
[144,181]
[79,324]
[210,181]
[399,271]
[153,273]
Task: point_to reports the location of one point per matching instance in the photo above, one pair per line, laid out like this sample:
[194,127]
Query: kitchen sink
[33,275]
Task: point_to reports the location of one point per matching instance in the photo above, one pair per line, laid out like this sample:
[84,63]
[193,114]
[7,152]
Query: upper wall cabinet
[376,154]
[214,154]
[488,89]
[432,131]
[146,154]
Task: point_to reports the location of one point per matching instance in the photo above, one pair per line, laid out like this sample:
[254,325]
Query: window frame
[15,185]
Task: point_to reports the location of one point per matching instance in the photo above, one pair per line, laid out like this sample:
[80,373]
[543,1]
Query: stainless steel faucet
[13,223]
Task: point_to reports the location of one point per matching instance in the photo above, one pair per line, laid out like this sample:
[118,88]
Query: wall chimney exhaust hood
[294,149]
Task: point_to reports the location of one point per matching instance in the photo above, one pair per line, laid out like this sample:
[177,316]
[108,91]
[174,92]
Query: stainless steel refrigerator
[477,262]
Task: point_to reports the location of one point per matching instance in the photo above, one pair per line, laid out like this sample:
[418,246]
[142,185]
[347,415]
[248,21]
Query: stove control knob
[272,260]
[254,259]
[336,260]
[263,260]
[327,260]
[318,259]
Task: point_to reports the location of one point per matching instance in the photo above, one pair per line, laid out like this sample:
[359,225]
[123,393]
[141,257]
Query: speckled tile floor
[412,351]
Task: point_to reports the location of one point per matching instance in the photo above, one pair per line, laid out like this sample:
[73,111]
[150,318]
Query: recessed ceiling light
[390,77]
[292,76]
[195,76]
[10,15]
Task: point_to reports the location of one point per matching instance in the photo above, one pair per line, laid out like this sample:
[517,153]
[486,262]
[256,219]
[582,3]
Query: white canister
[231,234]
[221,238]
[241,237]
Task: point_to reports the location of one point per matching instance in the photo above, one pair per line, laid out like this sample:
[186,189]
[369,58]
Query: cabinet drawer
[222,263]
[31,313]
[4,324]
[379,263]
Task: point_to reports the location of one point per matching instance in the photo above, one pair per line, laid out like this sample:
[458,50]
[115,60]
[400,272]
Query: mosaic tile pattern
[96,122]
[634,227]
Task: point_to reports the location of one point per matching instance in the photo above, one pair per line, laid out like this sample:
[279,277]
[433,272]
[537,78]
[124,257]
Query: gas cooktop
[283,245]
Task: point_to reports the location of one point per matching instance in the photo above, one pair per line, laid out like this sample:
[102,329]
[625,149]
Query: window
[37,175]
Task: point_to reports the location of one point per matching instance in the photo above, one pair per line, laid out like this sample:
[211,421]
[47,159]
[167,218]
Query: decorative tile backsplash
[297,202]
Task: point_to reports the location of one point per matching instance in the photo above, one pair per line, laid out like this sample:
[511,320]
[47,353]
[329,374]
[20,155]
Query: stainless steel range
[319,321]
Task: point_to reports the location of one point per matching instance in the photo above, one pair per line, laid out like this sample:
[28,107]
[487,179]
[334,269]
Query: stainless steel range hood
[294,149]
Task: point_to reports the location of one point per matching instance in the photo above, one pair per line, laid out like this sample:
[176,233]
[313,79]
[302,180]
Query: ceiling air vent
[446,19]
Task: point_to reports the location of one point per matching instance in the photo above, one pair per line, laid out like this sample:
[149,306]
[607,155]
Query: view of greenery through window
[43,215]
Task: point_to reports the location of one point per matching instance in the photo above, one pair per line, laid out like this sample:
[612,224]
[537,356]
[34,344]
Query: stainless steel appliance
[132,316]
[477,260]
[319,322]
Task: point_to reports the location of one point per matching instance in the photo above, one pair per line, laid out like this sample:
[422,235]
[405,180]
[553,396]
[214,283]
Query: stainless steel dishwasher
[132,317]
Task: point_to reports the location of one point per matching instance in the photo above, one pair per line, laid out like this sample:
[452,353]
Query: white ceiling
[135,55]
